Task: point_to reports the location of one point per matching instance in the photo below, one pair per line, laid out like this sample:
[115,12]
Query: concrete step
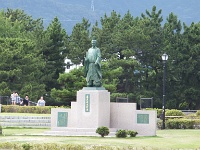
[25,121]
[68,133]
[78,132]
[10,124]
[24,117]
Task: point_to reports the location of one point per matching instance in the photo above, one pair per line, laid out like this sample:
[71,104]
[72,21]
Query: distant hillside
[71,12]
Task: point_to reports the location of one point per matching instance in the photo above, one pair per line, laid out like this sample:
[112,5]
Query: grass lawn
[165,139]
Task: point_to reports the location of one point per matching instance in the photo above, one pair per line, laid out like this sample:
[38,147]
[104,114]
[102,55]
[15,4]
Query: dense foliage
[182,124]
[103,131]
[32,58]
[121,133]
[174,112]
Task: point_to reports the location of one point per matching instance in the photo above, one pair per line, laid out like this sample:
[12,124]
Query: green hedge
[174,112]
[198,113]
[168,112]
[182,124]
[27,109]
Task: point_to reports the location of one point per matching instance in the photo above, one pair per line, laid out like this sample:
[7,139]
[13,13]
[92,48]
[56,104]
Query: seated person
[21,102]
[26,101]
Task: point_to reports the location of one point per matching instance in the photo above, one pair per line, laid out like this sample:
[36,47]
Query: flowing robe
[93,67]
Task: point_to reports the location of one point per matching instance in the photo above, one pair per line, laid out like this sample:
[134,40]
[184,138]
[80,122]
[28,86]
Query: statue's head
[94,43]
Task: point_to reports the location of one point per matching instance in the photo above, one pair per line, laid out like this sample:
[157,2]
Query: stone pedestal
[90,111]
[92,108]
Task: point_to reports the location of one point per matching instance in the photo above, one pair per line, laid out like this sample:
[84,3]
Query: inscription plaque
[143,118]
[62,119]
[87,102]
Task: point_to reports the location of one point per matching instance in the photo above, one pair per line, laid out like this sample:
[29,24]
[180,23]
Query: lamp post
[164,58]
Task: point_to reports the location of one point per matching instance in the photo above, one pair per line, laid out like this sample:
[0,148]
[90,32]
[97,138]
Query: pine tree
[54,53]
[79,42]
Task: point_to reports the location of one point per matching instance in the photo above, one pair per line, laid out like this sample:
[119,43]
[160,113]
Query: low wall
[125,116]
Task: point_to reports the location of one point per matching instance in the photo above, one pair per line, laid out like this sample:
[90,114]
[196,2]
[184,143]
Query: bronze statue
[93,66]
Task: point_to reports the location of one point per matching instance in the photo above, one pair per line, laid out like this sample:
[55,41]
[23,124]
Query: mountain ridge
[71,12]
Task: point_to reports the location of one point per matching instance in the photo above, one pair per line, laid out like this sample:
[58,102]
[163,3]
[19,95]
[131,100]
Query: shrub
[121,133]
[174,112]
[0,130]
[180,124]
[132,133]
[103,131]
[191,116]
[197,124]
[159,124]
[27,146]
[159,112]
[198,113]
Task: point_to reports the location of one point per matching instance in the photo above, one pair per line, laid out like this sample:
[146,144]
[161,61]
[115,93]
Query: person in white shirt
[41,101]
[14,97]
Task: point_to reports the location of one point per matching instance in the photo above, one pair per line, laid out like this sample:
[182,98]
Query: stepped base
[78,132]
[26,125]
[25,121]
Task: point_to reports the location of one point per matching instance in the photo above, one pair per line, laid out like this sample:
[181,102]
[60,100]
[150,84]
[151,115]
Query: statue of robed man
[92,65]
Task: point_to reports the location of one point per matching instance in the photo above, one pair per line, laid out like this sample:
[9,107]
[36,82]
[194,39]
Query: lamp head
[164,57]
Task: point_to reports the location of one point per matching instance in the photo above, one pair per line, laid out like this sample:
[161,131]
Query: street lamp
[164,58]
